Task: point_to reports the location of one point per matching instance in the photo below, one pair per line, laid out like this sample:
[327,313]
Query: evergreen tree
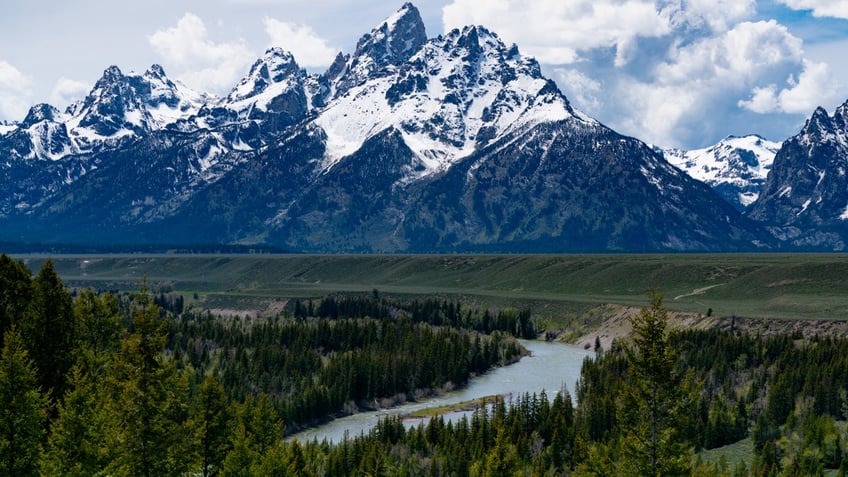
[211,423]
[99,322]
[146,425]
[76,445]
[258,429]
[15,293]
[654,400]
[49,330]
[22,410]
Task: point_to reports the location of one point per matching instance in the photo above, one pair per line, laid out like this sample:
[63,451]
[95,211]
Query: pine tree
[146,432]
[76,445]
[15,293]
[654,400]
[258,429]
[211,423]
[99,323]
[22,410]
[49,330]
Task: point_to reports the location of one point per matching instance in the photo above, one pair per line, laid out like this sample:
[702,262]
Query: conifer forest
[96,383]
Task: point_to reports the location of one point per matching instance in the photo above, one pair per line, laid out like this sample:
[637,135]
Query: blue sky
[676,73]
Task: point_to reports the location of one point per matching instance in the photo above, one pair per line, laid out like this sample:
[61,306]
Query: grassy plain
[556,287]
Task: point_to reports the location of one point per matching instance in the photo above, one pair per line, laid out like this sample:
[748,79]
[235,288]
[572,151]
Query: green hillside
[784,286]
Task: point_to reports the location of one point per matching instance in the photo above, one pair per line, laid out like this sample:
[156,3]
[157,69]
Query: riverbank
[549,367]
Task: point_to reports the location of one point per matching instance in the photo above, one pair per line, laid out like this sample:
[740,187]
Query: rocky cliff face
[805,198]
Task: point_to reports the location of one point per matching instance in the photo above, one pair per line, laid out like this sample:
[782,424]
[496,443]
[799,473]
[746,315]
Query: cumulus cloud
[309,49]
[702,82]
[582,89]
[66,91]
[813,87]
[715,15]
[556,32]
[742,54]
[15,92]
[821,8]
[201,63]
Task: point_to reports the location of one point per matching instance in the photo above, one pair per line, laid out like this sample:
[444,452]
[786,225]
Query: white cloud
[202,63]
[581,89]
[15,92]
[66,91]
[821,8]
[718,15]
[308,48]
[815,86]
[704,80]
[555,31]
[744,53]
[763,100]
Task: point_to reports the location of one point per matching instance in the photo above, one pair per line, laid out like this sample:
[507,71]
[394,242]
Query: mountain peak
[822,127]
[111,74]
[388,45]
[38,113]
[155,71]
[274,66]
[736,167]
[399,36]
[806,192]
[841,116]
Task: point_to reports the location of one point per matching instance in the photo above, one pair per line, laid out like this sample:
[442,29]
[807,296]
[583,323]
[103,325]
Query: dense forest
[140,384]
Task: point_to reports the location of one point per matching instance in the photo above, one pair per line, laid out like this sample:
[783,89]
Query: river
[550,367]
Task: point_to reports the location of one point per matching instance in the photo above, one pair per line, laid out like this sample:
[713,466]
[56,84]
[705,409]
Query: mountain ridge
[410,144]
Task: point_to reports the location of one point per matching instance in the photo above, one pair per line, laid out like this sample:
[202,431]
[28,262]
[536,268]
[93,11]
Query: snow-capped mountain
[735,167]
[454,143]
[457,93]
[120,108]
[805,198]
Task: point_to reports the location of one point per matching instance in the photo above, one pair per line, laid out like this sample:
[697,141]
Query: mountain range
[456,143]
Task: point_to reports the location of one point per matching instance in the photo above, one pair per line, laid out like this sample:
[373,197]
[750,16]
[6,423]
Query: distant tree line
[432,311]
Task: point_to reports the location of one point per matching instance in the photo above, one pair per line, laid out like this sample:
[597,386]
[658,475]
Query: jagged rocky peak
[822,128]
[40,112]
[380,52]
[804,198]
[274,66]
[476,45]
[841,115]
[818,125]
[395,39]
[156,72]
[155,88]
[108,102]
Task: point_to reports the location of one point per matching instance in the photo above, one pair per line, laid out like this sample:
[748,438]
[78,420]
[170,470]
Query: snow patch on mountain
[274,74]
[734,160]
[457,93]
[119,107]
[740,163]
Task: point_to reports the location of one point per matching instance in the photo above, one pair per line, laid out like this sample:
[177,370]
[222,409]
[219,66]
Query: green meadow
[558,287]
